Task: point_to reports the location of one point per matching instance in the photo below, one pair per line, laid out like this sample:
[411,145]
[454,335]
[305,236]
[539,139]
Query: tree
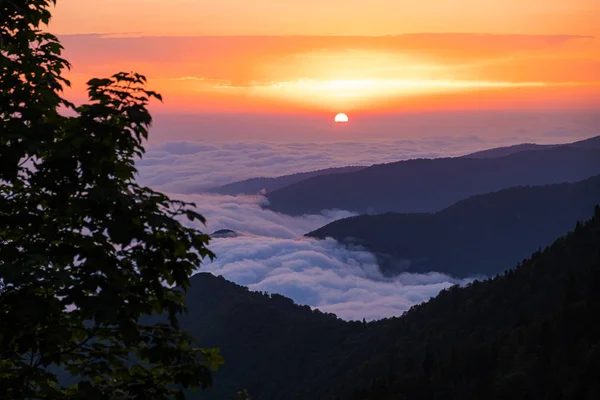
[87,255]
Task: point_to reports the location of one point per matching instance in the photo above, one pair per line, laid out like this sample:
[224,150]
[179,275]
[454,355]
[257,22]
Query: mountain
[592,143]
[508,150]
[477,236]
[429,185]
[529,333]
[269,343]
[256,185]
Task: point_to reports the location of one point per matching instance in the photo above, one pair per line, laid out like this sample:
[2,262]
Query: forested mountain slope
[270,344]
[529,333]
[429,185]
[481,235]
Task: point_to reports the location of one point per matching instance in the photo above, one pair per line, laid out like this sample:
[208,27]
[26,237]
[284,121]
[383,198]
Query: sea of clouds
[271,253]
[190,167]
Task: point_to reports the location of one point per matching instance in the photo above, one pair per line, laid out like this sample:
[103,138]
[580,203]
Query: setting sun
[341,117]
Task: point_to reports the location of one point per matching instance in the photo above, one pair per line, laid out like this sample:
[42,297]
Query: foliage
[243,395]
[85,252]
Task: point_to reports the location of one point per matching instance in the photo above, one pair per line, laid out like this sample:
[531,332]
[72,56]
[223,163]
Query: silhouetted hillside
[224,233]
[480,235]
[508,150]
[256,185]
[592,143]
[429,185]
[270,344]
[529,333]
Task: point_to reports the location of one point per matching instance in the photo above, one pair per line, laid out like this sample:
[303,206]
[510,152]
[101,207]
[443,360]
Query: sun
[341,117]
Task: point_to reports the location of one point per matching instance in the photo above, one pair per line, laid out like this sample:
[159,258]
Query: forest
[530,332]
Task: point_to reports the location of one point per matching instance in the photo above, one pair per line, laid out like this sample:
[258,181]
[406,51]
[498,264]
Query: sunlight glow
[357,92]
[352,74]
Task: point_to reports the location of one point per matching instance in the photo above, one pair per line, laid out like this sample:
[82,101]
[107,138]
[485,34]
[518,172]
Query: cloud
[322,274]
[219,50]
[243,214]
[272,255]
[188,167]
[185,167]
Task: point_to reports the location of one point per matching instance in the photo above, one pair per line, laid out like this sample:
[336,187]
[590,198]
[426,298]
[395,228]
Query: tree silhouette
[85,252]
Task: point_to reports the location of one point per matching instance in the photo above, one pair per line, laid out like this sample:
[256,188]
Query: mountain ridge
[256,185]
[475,236]
[429,185]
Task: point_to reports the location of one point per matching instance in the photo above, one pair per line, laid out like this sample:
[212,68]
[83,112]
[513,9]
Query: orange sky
[327,56]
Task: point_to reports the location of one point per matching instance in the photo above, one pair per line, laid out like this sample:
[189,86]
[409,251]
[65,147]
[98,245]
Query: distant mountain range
[481,235]
[429,185]
[258,185]
[529,333]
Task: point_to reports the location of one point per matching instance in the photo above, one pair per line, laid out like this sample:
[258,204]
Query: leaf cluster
[85,251]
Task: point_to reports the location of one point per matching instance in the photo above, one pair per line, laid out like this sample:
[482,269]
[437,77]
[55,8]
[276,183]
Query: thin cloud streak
[279,73]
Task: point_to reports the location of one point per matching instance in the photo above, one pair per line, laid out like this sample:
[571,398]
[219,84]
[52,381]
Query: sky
[309,59]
